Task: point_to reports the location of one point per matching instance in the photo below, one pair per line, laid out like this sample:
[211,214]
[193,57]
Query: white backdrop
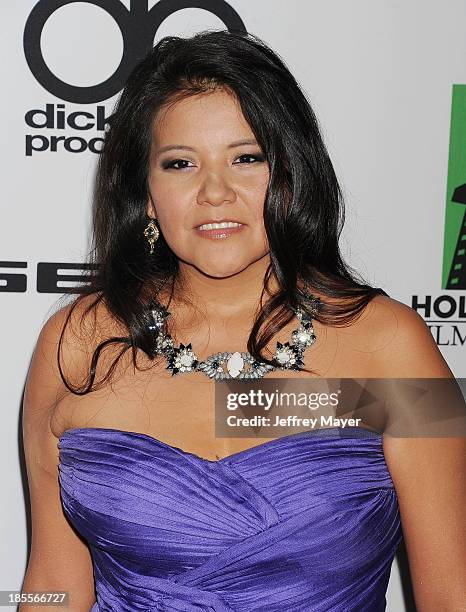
[380,75]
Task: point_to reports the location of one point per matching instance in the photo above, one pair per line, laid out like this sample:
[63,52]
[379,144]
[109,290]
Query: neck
[221,297]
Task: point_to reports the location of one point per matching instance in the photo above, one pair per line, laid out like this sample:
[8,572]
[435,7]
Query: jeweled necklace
[238,365]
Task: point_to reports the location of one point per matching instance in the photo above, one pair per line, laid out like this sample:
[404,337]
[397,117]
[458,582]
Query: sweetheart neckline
[225,459]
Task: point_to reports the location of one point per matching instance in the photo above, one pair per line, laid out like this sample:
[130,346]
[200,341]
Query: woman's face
[206,166]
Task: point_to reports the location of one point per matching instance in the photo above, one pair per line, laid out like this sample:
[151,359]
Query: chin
[221,271]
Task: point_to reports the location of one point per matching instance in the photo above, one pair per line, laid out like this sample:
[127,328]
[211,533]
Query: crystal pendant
[283,357]
[235,364]
[287,356]
[304,336]
[182,359]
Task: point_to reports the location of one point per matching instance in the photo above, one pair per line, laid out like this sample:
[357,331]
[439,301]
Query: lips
[219,230]
[217,227]
[206,221]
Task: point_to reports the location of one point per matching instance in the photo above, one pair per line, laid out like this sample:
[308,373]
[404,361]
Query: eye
[172,164]
[255,158]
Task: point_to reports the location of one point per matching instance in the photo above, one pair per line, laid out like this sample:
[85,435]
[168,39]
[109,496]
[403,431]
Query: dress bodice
[306,522]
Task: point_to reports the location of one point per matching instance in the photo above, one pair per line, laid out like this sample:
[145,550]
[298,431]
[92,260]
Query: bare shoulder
[85,320]
[400,340]
[80,327]
[427,468]
[58,558]
[396,342]
[62,355]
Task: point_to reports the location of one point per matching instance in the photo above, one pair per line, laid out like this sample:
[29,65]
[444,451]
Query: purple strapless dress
[309,521]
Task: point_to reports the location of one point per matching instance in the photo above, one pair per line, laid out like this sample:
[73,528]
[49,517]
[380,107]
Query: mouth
[219,230]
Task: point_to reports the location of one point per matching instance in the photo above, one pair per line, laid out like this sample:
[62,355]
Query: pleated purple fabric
[309,521]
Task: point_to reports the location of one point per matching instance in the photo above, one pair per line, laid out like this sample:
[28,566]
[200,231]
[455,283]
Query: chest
[180,410]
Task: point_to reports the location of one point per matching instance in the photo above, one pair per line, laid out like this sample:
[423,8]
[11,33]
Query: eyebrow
[232,145]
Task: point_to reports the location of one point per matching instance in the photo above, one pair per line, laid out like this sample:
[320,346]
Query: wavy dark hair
[303,208]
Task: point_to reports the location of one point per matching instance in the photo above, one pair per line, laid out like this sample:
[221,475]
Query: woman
[136,504]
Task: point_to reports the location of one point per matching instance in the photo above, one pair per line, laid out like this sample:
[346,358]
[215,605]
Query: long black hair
[303,209]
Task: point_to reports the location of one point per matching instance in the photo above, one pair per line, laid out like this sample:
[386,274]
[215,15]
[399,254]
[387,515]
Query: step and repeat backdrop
[387,79]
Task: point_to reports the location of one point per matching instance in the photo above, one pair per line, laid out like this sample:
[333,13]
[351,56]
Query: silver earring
[151,232]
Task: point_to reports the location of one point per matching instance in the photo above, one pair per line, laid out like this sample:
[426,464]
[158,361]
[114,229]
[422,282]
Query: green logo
[454,245]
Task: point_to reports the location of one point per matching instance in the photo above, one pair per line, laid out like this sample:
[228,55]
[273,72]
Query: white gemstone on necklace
[186,360]
[235,364]
[283,356]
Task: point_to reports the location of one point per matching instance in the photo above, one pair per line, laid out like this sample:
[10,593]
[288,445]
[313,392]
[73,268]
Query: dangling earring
[152,233]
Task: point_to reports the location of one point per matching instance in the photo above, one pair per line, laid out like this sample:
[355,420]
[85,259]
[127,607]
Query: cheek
[164,188]
[256,205]
[170,205]
[255,195]
[172,219]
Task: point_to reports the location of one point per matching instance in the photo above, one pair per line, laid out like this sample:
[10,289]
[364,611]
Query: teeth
[209,226]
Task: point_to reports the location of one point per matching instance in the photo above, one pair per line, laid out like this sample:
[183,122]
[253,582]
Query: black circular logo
[138,28]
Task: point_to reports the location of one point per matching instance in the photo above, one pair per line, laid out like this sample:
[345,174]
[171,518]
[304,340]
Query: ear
[151,208]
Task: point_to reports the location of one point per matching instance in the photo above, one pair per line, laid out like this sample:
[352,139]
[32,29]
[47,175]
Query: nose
[215,190]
